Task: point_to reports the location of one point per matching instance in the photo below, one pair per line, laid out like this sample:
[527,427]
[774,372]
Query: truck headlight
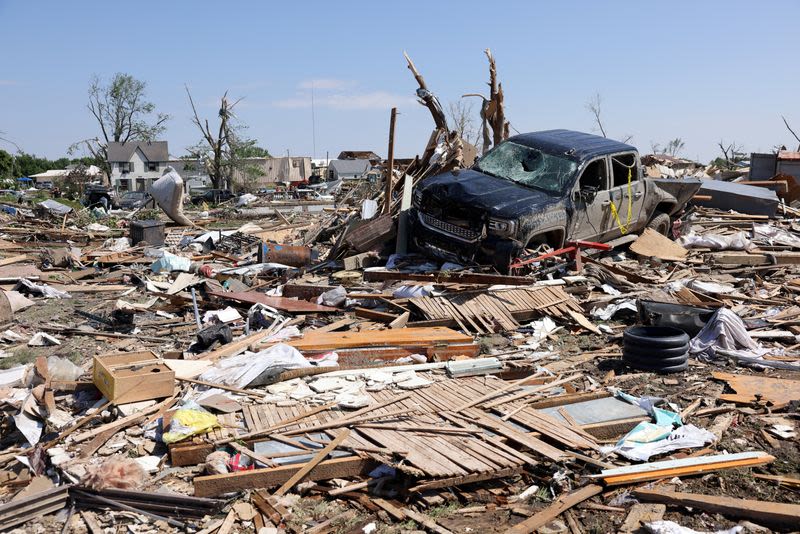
[416,198]
[502,227]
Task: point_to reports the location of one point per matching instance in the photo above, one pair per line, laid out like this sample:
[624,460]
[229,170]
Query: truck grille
[451,229]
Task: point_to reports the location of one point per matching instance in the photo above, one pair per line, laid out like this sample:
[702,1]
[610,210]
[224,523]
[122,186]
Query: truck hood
[481,192]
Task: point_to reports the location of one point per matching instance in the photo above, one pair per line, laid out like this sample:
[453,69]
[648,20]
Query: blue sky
[703,71]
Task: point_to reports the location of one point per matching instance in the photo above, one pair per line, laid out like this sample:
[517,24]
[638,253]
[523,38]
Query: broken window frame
[565,179]
[586,166]
[624,176]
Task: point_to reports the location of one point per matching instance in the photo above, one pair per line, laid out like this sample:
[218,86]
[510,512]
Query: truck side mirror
[588,194]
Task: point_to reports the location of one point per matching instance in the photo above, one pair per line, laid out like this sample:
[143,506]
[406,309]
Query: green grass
[21,356]
[444,510]
[11,199]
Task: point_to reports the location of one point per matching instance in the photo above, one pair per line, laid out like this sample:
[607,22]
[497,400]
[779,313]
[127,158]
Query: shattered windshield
[528,166]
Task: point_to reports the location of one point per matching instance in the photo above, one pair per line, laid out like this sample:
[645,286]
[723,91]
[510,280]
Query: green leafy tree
[28,164]
[123,113]
[249,149]
[7,165]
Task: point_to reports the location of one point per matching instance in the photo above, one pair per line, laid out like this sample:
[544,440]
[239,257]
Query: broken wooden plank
[375,315]
[315,341]
[781,480]
[427,522]
[125,422]
[211,485]
[235,347]
[686,466]
[762,512]
[556,508]
[279,303]
[14,259]
[653,244]
[309,466]
[778,392]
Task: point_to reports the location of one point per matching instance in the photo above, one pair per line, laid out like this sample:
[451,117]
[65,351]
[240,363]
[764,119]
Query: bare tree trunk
[428,99]
[496,110]
[790,129]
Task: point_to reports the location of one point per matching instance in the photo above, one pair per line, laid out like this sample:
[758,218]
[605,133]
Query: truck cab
[542,187]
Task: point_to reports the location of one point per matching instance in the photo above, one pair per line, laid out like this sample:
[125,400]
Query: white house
[135,165]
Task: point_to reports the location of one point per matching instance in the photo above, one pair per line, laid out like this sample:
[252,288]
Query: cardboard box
[132,377]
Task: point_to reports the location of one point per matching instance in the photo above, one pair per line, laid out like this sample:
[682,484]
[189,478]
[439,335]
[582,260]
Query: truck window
[528,166]
[595,175]
[620,165]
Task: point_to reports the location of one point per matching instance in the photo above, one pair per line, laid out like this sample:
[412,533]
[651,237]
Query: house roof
[358,154]
[152,150]
[784,155]
[576,144]
[350,166]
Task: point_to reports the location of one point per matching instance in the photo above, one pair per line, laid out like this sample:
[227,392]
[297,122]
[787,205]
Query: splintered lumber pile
[21,511]
[427,433]
[497,311]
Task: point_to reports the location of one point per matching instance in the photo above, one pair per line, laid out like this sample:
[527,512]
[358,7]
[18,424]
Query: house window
[152,166]
[125,168]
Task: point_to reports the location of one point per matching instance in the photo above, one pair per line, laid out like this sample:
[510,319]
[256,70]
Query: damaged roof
[152,150]
[581,145]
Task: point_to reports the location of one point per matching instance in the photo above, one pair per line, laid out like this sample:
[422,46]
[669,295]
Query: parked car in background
[99,195]
[135,199]
[213,196]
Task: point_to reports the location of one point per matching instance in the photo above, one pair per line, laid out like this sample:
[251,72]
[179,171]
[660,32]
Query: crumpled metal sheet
[167,191]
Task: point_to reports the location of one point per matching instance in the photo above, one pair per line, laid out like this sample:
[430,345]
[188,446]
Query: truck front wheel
[661,223]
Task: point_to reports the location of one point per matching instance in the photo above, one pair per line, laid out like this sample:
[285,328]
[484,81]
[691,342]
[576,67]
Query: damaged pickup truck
[546,187]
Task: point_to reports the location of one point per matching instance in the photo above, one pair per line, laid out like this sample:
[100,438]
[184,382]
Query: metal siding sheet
[762,166]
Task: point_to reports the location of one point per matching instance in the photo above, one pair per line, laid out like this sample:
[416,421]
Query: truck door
[590,191]
[625,196]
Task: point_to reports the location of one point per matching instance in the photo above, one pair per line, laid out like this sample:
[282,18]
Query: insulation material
[114,473]
[737,241]
[217,463]
[240,371]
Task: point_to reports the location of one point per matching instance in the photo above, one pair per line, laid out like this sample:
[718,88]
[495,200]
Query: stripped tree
[595,106]
[218,151]
[493,115]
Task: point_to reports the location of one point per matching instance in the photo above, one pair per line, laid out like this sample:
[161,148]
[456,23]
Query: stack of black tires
[659,349]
